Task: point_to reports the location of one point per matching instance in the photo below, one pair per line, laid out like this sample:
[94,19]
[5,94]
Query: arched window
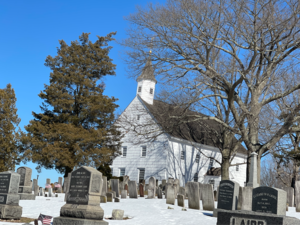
[196,177]
[197,158]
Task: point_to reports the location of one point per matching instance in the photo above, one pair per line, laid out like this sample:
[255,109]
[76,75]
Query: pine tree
[75,127]
[10,153]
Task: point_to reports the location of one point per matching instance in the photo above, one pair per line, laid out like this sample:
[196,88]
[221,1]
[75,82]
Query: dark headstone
[269,200]
[84,193]
[243,217]
[228,195]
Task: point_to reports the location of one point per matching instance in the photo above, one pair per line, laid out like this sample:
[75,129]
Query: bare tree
[242,49]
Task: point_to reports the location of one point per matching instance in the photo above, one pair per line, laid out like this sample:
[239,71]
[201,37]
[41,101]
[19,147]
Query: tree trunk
[67,171]
[225,169]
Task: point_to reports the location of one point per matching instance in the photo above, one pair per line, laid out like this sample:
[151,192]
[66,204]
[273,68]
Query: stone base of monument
[25,196]
[237,217]
[10,212]
[82,211]
[75,221]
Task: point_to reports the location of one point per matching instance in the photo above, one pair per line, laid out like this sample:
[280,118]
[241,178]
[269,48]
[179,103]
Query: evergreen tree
[75,127]
[10,153]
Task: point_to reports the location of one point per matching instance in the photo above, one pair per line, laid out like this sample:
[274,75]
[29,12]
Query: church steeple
[146,83]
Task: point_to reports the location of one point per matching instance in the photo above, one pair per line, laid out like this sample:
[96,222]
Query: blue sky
[30,32]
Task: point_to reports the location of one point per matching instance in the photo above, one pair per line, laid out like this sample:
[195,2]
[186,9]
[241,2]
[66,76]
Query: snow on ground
[143,211]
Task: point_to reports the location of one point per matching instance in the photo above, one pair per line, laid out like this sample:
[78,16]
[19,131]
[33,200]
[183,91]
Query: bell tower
[146,83]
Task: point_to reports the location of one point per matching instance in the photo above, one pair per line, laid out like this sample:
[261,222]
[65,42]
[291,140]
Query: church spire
[148,72]
[146,83]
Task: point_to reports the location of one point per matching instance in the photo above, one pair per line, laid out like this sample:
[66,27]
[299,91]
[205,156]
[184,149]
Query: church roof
[207,132]
[148,72]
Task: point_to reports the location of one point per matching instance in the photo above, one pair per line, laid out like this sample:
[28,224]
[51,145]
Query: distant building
[171,154]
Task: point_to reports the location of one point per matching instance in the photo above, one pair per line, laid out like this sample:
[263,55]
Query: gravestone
[269,200]
[25,186]
[208,202]
[163,182]
[146,189]
[103,199]
[297,196]
[114,183]
[243,217]
[181,191]
[290,195]
[59,189]
[41,192]
[159,193]
[176,188]
[9,198]
[50,193]
[141,189]
[253,171]
[83,200]
[245,198]
[48,182]
[126,187]
[104,186]
[125,179]
[35,187]
[200,190]
[109,196]
[151,188]
[180,200]
[123,194]
[117,214]
[67,185]
[117,199]
[171,194]
[193,195]
[132,189]
[228,196]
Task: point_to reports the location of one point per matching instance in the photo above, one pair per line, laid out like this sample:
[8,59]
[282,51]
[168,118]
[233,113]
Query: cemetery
[207,132]
[86,200]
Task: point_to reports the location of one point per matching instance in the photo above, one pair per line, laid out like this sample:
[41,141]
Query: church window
[138,117]
[151,91]
[237,168]
[122,172]
[141,174]
[212,181]
[182,155]
[197,158]
[124,151]
[144,151]
[140,89]
[196,177]
[211,163]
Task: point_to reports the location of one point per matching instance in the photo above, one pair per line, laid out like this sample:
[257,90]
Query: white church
[152,147]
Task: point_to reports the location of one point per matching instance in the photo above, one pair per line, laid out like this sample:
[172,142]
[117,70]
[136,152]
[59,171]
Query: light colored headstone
[84,192]
[60,182]
[181,191]
[208,202]
[171,195]
[35,187]
[132,189]
[104,187]
[25,186]
[115,186]
[103,199]
[151,188]
[41,193]
[9,198]
[290,195]
[180,200]
[297,195]
[117,214]
[50,194]
[200,190]
[253,171]
[109,196]
[159,193]
[245,198]
[124,194]
[193,195]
